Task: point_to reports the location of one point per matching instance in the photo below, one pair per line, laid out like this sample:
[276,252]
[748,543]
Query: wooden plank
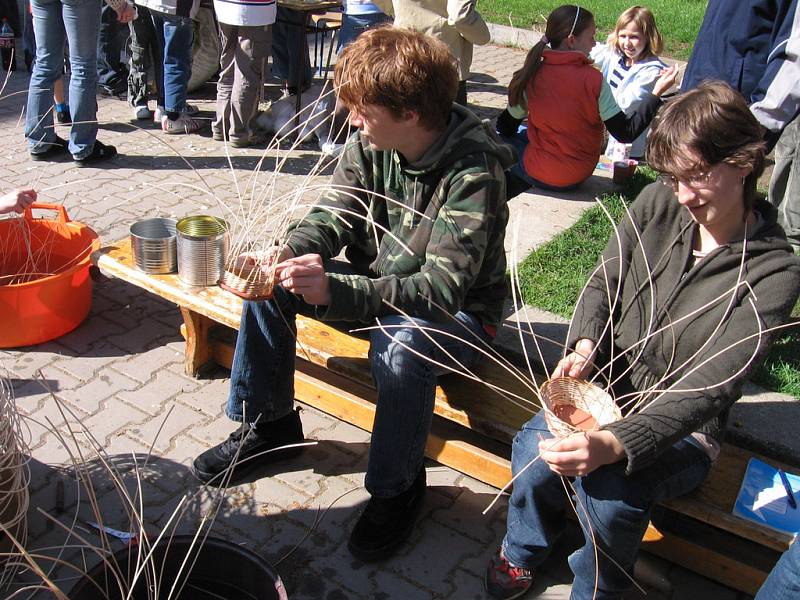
[195,331]
[713,502]
[459,399]
[355,403]
[705,560]
[116,260]
[492,413]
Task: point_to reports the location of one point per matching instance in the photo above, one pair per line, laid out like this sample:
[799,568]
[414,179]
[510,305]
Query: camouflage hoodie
[434,241]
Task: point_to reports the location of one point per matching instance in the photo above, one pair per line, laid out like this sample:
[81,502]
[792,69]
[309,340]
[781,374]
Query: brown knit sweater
[682,339]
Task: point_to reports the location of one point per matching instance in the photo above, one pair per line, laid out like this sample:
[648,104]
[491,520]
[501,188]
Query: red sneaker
[504,580]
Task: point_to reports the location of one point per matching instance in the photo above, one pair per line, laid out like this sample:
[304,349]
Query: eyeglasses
[696,180]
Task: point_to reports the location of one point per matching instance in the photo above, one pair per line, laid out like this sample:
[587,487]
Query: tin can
[202,249]
[154,245]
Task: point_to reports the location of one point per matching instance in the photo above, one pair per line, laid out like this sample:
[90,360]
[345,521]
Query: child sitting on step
[630,65]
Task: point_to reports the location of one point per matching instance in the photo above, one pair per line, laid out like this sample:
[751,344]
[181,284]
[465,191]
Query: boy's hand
[263,259]
[581,453]
[306,277]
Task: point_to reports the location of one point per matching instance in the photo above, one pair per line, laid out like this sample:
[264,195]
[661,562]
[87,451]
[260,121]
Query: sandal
[100,152]
[53,149]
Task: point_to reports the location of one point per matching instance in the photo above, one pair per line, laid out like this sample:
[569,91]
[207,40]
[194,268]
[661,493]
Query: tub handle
[59,208]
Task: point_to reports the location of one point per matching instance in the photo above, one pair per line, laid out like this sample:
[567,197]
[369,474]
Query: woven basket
[249,279]
[562,395]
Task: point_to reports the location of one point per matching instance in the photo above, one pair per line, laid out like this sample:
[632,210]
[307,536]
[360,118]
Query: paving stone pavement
[120,383]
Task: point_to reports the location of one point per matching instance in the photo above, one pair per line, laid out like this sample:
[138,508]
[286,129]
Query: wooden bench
[472,428]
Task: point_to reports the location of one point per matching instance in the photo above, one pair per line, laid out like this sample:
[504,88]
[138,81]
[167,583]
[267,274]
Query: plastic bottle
[7,46]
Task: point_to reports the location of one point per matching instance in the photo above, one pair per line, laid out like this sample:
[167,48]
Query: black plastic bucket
[221,570]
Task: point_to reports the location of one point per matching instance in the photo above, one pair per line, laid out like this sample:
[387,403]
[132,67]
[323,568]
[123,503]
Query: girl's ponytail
[521,78]
[563,22]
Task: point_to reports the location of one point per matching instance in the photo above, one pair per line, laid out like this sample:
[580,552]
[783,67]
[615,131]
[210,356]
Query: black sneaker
[54,149]
[504,580]
[249,446]
[62,116]
[386,523]
[100,152]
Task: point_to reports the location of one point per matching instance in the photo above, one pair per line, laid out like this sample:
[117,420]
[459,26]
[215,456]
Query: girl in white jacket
[629,62]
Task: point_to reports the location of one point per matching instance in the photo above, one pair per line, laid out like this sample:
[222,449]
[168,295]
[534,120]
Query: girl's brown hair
[643,18]
[564,21]
[714,123]
[400,70]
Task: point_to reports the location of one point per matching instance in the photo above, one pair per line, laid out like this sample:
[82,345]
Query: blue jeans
[517,178]
[111,73]
[79,21]
[355,25]
[262,379]
[174,37]
[783,582]
[290,58]
[618,508]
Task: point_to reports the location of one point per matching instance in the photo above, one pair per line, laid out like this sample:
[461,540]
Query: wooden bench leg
[195,330]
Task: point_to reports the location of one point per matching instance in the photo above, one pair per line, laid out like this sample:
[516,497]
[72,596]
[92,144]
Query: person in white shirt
[630,65]
[245,28]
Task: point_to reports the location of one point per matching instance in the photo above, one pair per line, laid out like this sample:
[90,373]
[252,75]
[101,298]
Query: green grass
[677,20]
[553,275]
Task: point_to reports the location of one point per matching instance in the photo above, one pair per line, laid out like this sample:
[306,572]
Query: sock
[62,107]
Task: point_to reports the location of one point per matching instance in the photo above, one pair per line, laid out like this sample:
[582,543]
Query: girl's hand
[581,453]
[666,80]
[17,201]
[577,364]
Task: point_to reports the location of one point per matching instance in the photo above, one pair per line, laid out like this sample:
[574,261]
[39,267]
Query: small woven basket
[562,395]
[248,278]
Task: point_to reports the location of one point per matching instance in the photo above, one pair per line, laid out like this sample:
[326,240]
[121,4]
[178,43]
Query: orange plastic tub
[45,288]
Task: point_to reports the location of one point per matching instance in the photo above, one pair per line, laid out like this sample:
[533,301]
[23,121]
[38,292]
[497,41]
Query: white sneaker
[142,113]
[183,124]
[189,109]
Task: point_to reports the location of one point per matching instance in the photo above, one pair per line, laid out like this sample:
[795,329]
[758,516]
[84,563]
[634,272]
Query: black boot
[248,447]
[387,523]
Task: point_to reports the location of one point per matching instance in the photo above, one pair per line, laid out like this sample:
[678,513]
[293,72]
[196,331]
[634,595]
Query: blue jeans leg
[175,36]
[520,181]
[287,57]
[783,582]
[402,358]
[79,19]
[355,25]
[619,507]
[537,507]
[262,373]
[614,510]
[111,73]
